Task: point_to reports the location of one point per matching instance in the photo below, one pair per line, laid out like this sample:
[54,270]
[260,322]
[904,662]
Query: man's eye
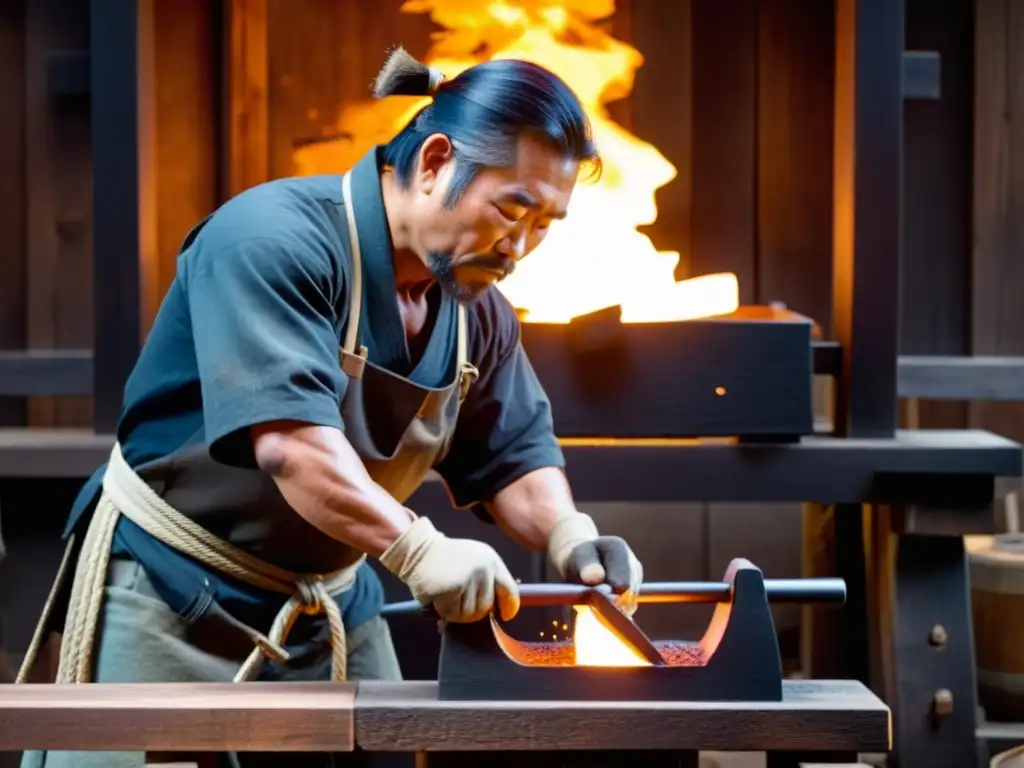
[513,217]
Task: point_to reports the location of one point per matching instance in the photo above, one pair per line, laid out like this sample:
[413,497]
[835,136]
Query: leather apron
[400,429]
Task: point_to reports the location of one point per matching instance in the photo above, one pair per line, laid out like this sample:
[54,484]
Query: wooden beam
[962,378]
[928,467]
[179,717]
[866,220]
[246,73]
[52,453]
[124,205]
[408,717]
[46,372]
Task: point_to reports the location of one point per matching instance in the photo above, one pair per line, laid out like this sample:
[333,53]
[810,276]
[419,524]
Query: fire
[597,646]
[595,258]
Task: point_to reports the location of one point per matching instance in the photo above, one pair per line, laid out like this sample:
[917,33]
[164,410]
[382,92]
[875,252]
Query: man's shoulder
[493,327]
[493,321]
[291,212]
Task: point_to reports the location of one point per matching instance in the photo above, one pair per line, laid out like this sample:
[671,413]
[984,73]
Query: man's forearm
[527,509]
[325,482]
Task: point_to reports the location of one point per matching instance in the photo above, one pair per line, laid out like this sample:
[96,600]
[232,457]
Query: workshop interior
[782,336]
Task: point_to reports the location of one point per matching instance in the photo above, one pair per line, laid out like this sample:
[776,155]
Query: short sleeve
[505,428]
[263,325]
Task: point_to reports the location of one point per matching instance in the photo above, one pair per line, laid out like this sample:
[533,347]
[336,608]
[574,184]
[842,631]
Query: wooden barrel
[997,595]
[1012,758]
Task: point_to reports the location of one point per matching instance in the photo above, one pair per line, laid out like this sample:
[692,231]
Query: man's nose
[513,246]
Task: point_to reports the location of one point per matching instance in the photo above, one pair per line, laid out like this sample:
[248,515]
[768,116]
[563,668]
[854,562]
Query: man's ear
[436,155]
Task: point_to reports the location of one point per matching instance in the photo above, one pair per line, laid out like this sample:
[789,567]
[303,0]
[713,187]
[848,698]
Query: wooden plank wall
[997,257]
[58,203]
[45,184]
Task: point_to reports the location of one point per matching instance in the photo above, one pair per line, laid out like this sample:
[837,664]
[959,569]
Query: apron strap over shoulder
[353,360]
[356,291]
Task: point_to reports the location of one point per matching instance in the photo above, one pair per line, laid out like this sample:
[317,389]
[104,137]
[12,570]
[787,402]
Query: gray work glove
[582,556]
[462,578]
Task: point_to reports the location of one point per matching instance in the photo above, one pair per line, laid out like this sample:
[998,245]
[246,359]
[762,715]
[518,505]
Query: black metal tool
[799,591]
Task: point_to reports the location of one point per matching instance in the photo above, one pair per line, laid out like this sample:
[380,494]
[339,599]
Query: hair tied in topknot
[402,75]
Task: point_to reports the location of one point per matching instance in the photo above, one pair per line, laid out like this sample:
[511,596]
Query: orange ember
[597,249]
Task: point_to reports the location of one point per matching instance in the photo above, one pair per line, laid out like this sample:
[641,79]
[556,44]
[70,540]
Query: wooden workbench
[815,716]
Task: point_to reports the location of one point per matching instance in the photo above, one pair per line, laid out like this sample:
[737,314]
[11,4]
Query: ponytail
[402,75]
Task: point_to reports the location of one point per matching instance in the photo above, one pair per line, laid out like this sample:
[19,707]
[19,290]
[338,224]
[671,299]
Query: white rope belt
[125,493]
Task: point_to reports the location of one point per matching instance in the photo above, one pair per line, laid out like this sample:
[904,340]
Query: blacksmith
[326,342]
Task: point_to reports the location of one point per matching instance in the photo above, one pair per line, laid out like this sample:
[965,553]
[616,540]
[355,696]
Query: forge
[623,346]
[736,659]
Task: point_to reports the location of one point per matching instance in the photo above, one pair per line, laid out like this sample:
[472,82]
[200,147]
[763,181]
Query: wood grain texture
[188,118]
[794,155]
[247,94]
[59,201]
[998,266]
[396,717]
[276,717]
[323,56]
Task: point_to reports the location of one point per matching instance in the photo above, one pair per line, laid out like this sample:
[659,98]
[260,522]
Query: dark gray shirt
[249,332]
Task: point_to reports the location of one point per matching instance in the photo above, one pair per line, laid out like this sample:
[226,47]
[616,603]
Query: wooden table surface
[285,717]
[407,717]
[814,716]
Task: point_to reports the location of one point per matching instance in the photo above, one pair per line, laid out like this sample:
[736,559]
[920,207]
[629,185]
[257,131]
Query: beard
[444,265]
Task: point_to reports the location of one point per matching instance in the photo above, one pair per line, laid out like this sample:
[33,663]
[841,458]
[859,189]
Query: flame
[597,646]
[597,249]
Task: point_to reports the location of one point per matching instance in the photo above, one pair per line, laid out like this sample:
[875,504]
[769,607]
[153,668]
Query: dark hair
[483,112]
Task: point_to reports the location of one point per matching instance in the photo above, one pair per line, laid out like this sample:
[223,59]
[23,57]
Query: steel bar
[778,591]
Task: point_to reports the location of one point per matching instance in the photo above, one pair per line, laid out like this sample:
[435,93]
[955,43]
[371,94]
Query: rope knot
[310,592]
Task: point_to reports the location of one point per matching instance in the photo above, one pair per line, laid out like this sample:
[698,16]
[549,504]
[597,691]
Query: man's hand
[582,556]
[462,578]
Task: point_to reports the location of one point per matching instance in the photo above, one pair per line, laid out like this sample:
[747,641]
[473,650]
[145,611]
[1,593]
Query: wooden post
[124,217]
[867,177]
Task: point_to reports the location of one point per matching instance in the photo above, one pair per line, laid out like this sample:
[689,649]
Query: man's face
[500,218]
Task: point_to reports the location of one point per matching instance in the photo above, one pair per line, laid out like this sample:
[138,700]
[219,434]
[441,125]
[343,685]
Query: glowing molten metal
[595,258]
[597,646]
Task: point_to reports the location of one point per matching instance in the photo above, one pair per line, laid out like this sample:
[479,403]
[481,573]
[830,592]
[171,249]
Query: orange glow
[595,258]
[597,646]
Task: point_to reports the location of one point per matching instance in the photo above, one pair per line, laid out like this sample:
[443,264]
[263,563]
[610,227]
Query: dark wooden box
[748,374]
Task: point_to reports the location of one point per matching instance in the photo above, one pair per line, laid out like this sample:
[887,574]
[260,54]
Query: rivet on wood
[942,702]
[938,636]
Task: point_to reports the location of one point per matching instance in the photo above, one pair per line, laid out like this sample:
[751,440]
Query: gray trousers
[141,640]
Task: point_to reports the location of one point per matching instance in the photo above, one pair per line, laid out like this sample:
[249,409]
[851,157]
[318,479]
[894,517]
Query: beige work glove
[582,556]
[462,578]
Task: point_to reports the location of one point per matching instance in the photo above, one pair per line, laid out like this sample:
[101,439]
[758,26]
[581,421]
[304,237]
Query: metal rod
[778,591]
